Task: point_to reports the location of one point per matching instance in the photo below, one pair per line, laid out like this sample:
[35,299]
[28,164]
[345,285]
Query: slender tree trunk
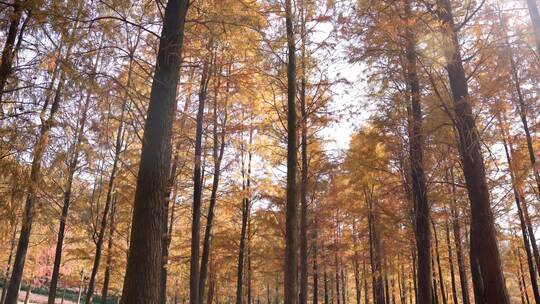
[519,199]
[375,253]
[357,283]
[304,173]
[386,285]
[107,275]
[211,289]
[439,267]
[315,263]
[451,263]
[401,283]
[198,187]
[366,294]
[357,280]
[175,168]
[246,210]
[249,273]
[393,289]
[522,275]
[414,276]
[488,279]
[72,168]
[28,293]
[33,185]
[108,201]
[268,296]
[9,51]
[145,261]
[522,110]
[338,295]
[419,189]
[79,295]
[343,286]
[291,216]
[435,287]
[8,266]
[217,154]
[456,228]
[326,299]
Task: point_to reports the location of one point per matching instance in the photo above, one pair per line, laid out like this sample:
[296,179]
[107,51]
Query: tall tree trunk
[522,275]
[170,195]
[456,229]
[72,168]
[435,288]
[35,177]
[268,295]
[336,262]
[217,154]
[357,280]
[439,267]
[211,289]
[79,294]
[519,198]
[108,201]
[8,266]
[291,216]
[315,263]
[198,187]
[535,19]
[249,272]
[304,173]
[9,51]
[108,266]
[488,279]
[416,151]
[246,210]
[522,110]
[366,295]
[145,261]
[375,253]
[451,263]
[401,282]
[326,298]
[386,285]
[343,286]
[414,276]
[28,293]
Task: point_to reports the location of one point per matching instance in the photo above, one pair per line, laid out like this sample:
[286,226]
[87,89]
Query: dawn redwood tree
[109,198]
[291,217]
[144,265]
[456,231]
[170,195]
[451,262]
[218,150]
[519,199]
[488,279]
[72,168]
[246,210]
[108,266]
[374,250]
[35,172]
[418,179]
[198,183]
[304,161]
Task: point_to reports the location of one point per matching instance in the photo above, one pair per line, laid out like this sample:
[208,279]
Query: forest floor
[38,298]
